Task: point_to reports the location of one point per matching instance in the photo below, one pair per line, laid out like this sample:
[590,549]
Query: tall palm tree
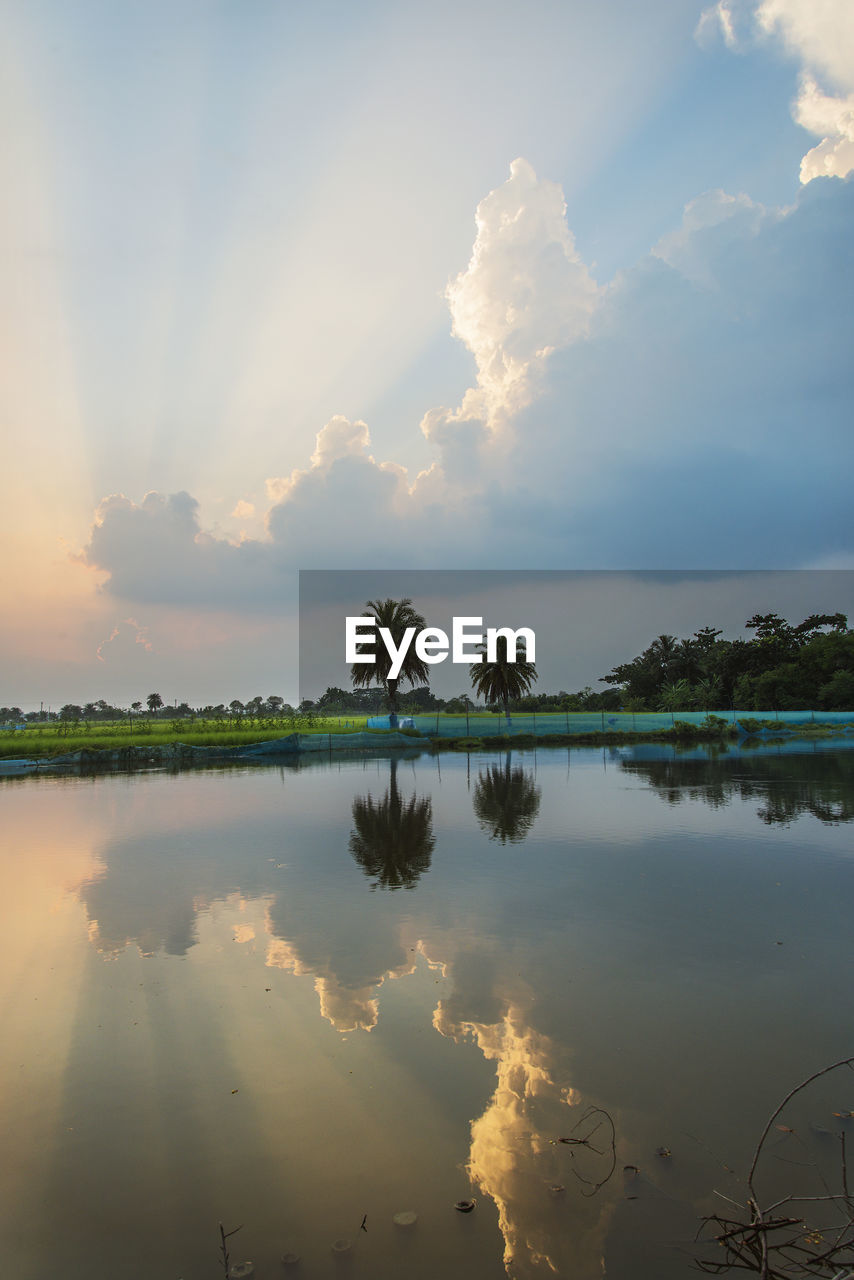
[393,839]
[396,615]
[501,680]
[506,801]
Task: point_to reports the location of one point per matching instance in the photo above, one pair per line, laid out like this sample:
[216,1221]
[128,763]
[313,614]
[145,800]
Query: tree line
[808,666]
[781,667]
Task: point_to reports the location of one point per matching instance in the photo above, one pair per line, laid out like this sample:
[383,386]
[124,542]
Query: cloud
[156,551]
[243,510]
[702,392]
[525,290]
[139,634]
[830,118]
[722,20]
[819,35]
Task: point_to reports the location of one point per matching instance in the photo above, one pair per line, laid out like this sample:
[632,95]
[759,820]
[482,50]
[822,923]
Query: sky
[406,286]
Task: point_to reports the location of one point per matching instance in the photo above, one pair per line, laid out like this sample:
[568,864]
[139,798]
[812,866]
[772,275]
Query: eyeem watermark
[432,643]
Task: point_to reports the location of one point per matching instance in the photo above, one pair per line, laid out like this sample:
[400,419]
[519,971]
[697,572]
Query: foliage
[40,741]
[396,616]
[781,667]
[501,679]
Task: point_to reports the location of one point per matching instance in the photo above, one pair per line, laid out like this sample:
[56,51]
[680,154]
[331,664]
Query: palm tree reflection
[506,801]
[393,839]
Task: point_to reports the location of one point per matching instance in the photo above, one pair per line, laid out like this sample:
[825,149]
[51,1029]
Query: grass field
[38,741]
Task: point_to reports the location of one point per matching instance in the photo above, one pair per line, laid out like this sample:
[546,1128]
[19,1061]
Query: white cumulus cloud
[525,290]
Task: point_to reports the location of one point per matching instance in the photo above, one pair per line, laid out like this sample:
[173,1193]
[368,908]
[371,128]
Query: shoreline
[295,746]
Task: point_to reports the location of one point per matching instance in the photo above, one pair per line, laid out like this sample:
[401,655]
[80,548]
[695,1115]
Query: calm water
[294,1000]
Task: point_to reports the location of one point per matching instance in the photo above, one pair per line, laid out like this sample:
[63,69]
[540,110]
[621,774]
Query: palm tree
[396,616]
[506,801]
[501,680]
[392,840]
[676,696]
[154,701]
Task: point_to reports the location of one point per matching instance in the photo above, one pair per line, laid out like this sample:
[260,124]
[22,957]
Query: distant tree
[707,694]
[838,692]
[275,704]
[396,616]
[155,702]
[501,680]
[136,706]
[420,700]
[236,708]
[676,696]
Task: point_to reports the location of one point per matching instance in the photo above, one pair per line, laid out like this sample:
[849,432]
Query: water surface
[301,1000]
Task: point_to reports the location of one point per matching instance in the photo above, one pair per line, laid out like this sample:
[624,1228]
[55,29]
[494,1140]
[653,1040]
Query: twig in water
[223,1248]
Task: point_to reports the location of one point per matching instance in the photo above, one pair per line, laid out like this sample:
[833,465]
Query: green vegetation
[396,616]
[40,741]
[781,668]
[502,679]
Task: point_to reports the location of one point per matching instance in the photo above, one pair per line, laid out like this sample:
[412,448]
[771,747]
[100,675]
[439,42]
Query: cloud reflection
[540,1186]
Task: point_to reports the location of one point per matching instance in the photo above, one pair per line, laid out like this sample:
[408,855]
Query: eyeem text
[432,644]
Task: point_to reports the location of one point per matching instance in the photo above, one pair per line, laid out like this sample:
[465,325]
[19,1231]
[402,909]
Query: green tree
[502,680]
[838,693]
[676,696]
[707,694]
[155,702]
[396,616]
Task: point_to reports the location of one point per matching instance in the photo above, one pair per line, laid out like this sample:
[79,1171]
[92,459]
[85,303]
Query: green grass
[39,741]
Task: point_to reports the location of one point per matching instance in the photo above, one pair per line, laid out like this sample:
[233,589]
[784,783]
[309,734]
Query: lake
[568,985]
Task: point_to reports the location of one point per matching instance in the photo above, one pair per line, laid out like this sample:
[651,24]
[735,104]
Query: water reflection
[539,1183]
[506,801]
[787,786]
[627,974]
[393,839]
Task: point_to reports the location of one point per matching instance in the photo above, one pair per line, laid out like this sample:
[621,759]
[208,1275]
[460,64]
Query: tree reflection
[506,801]
[821,785]
[393,839]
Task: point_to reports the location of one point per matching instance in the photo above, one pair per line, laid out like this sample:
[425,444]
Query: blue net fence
[583,722]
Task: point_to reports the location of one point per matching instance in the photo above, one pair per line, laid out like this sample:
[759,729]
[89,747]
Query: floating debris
[557,1189]
[242,1271]
[342,1245]
[406,1218]
[290,1259]
[664,1152]
[465,1206]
